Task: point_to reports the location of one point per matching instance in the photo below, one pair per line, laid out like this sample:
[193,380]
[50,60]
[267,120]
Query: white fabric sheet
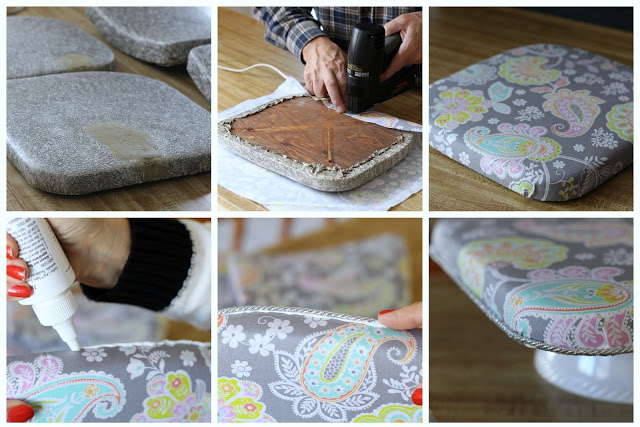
[278,193]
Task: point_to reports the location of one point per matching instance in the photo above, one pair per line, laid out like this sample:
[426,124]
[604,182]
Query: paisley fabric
[504,153]
[549,122]
[620,120]
[164,382]
[376,269]
[297,365]
[567,283]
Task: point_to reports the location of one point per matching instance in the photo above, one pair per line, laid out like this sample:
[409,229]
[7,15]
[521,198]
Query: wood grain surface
[478,374]
[241,43]
[305,130]
[190,193]
[459,37]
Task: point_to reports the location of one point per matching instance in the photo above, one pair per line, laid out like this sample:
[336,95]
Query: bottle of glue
[50,276]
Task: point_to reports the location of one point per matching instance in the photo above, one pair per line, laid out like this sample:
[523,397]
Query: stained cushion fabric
[549,122]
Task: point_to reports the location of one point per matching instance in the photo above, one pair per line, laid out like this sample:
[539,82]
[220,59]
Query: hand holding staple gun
[320,36]
[409,26]
[325,64]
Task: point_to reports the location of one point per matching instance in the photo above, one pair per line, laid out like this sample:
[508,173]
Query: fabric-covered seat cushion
[549,122]
[564,285]
[279,364]
[375,269]
[169,381]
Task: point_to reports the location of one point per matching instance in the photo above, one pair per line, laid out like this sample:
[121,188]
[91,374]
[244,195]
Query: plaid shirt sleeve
[289,28]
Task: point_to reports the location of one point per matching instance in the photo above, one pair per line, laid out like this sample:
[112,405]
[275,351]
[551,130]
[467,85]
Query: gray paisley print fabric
[169,381]
[564,285]
[375,269]
[280,364]
[546,121]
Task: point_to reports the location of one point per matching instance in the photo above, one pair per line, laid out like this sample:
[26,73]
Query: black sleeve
[158,264]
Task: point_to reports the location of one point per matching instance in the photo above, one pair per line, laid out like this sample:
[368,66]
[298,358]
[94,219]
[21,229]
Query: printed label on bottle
[49,269]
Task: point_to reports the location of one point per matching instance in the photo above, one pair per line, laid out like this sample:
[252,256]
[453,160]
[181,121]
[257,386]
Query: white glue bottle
[50,276]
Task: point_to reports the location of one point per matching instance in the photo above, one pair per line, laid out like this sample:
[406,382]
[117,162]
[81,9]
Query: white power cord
[236,70]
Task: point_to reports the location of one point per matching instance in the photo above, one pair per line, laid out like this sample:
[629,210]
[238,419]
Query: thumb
[18,411]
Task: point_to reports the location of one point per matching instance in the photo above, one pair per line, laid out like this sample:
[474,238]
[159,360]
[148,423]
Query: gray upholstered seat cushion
[564,285]
[549,122]
[359,278]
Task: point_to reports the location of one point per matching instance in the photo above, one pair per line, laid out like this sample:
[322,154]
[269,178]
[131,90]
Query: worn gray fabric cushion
[160,35]
[564,285]
[37,46]
[549,122]
[359,278]
[95,131]
[199,68]
[149,382]
[280,364]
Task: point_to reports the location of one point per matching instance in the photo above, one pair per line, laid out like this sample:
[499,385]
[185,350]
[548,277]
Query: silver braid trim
[299,311]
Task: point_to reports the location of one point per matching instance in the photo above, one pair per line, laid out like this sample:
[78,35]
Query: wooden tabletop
[241,43]
[478,374]
[190,193]
[459,37]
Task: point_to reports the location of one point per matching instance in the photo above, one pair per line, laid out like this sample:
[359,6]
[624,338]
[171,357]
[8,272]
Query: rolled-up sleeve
[289,28]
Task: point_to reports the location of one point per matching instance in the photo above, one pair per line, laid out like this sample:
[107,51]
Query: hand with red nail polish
[407,317]
[97,249]
[18,411]
[17,273]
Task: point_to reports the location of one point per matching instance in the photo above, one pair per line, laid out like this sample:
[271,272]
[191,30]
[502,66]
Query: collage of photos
[131,227]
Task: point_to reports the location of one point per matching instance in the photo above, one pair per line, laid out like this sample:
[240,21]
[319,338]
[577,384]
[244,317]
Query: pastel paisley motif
[64,398]
[172,398]
[528,70]
[395,413]
[620,120]
[588,312]
[379,119]
[578,108]
[498,93]
[478,74]
[239,401]
[527,254]
[593,233]
[332,372]
[458,106]
[504,152]
[341,358]
[524,187]
[548,50]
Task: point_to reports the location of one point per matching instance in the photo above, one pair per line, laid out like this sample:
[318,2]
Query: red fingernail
[416,397]
[15,271]
[19,291]
[386,311]
[9,252]
[20,414]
